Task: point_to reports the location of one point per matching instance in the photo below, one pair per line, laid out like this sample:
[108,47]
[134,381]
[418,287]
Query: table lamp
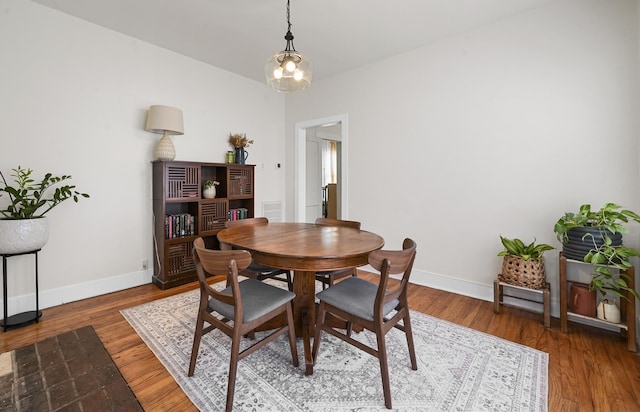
[166,120]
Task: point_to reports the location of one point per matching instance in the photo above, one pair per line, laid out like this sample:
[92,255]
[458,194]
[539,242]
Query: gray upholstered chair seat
[258,299]
[356,296]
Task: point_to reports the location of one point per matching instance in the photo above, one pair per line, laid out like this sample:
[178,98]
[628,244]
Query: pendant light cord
[289,36]
[288,70]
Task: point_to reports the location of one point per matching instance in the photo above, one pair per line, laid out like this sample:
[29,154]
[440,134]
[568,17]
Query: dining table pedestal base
[304,286]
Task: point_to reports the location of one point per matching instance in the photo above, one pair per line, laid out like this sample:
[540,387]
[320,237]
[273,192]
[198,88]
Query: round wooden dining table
[304,248]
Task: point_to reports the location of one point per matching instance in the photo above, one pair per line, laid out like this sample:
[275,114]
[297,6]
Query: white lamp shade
[166,120]
[163,119]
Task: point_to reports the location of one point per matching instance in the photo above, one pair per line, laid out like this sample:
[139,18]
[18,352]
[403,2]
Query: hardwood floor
[589,369]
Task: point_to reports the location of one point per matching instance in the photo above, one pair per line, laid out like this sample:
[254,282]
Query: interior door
[313,196]
[333,129]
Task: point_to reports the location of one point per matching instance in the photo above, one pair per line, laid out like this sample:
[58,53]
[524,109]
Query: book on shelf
[179,225]
[238,213]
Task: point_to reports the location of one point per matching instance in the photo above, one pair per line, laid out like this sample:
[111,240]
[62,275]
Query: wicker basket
[525,273]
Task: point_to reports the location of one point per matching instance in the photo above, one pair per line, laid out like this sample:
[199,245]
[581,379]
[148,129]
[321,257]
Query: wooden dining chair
[377,308]
[329,277]
[255,271]
[242,307]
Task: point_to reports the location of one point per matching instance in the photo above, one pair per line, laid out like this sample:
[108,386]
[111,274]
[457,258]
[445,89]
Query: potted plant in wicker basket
[523,265]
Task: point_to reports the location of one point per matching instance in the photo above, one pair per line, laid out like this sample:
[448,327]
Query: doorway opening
[312,179]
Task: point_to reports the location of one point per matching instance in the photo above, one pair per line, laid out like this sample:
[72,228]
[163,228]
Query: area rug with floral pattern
[459,369]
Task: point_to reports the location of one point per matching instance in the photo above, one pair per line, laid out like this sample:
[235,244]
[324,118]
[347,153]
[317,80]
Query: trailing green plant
[608,217]
[609,220]
[516,247]
[210,183]
[28,199]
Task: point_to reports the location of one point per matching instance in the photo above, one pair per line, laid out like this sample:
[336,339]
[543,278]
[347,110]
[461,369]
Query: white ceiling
[338,35]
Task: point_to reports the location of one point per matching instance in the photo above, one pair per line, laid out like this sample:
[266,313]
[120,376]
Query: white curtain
[329,162]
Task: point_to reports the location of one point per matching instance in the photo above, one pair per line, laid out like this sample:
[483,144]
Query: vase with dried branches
[240,142]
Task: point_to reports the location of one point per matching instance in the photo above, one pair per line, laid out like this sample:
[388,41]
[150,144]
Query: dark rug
[69,372]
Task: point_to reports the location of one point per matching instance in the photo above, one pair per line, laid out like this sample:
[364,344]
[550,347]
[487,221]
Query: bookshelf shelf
[178,204]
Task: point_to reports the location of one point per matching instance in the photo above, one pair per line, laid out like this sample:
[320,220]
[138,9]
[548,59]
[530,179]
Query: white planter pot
[209,193]
[608,311]
[23,235]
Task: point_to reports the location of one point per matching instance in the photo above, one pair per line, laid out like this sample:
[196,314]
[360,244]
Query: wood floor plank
[567,373]
[617,393]
[589,369]
[557,403]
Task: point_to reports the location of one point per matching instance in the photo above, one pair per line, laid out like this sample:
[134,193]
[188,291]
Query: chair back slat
[393,262]
[221,263]
[398,260]
[337,222]
[248,221]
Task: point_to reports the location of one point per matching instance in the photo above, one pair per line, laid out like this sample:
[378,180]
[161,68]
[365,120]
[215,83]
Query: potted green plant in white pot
[595,237]
[23,224]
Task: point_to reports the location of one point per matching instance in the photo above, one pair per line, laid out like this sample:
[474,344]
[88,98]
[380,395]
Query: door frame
[300,163]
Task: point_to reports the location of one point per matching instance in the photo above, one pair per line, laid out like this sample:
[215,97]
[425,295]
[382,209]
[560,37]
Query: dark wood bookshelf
[177,190]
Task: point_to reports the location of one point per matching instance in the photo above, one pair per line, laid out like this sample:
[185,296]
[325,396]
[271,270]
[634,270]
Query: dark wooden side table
[19,319]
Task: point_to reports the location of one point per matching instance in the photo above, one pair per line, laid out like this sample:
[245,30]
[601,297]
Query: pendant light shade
[288,71]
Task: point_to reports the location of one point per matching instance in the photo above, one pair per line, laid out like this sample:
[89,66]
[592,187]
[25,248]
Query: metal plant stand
[24,318]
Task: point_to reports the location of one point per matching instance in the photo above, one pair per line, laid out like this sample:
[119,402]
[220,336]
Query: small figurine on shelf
[239,142]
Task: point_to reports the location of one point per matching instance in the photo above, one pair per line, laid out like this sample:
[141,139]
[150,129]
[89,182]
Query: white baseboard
[72,293]
[485,292]
[58,296]
[468,288]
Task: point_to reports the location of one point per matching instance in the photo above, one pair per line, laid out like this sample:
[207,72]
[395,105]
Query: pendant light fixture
[288,71]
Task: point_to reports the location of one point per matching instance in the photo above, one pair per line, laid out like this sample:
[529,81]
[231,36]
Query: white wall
[74,101]
[497,131]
